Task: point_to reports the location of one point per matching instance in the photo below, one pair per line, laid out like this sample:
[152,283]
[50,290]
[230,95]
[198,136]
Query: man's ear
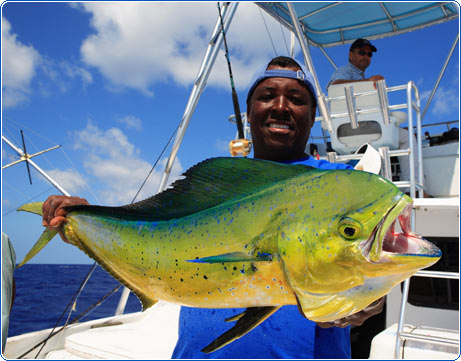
[314,111]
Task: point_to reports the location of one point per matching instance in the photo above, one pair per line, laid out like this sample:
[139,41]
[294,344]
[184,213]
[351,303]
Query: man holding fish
[281,107]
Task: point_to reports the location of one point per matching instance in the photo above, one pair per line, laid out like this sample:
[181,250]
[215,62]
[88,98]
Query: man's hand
[54,215]
[375,78]
[357,319]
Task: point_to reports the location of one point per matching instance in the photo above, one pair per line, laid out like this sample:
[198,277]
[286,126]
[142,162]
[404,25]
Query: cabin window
[369,128]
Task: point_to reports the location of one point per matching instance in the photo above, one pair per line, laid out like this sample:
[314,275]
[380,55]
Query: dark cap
[361,43]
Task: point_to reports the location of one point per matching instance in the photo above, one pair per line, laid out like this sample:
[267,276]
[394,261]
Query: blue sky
[110,81]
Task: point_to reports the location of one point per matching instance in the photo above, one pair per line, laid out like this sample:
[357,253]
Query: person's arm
[373,78]
[357,319]
[54,214]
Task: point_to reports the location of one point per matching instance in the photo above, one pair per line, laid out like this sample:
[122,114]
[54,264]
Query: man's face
[360,61]
[281,116]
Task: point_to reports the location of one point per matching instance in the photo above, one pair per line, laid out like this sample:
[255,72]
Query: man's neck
[281,158]
[360,70]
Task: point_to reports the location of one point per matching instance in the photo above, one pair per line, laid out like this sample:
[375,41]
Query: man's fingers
[57,222]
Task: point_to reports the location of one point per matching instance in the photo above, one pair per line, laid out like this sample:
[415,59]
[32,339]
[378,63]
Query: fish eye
[349,229]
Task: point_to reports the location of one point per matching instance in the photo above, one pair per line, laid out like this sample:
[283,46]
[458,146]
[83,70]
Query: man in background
[360,54]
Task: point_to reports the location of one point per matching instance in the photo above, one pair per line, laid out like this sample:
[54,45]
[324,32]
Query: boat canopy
[327,24]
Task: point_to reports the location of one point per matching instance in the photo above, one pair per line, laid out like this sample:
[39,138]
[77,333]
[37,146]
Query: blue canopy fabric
[328,24]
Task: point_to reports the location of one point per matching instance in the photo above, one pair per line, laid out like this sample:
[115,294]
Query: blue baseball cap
[302,75]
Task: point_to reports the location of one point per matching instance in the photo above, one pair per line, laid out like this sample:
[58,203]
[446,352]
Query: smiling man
[360,54]
[281,107]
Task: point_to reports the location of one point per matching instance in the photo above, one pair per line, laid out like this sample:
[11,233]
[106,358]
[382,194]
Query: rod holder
[386,171]
[351,105]
[323,109]
[383,100]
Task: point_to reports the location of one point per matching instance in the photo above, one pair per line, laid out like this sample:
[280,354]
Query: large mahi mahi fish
[239,232]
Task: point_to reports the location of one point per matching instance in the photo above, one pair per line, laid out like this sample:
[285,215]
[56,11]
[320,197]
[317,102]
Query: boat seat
[153,336]
[371,128]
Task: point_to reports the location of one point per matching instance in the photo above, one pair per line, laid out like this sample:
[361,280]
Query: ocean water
[43,292]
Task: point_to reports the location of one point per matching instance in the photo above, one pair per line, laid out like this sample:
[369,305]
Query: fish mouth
[384,242]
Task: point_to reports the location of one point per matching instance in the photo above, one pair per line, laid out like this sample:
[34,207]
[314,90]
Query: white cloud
[138,44]
[69,179]
[222,145]
[116,163]
[445,101]
[74,71]
[131,122]
[19,64]
[61,76]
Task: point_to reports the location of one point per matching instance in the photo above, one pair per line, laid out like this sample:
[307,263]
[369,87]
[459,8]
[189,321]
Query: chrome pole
[310,66]
[440,76]
[419,139]
[200,83]
[411,139]
[205,68]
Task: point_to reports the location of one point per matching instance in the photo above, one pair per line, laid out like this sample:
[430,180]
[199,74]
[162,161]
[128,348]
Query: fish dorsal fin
[207,184]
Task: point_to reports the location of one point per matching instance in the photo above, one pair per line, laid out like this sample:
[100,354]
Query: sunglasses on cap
[367,53]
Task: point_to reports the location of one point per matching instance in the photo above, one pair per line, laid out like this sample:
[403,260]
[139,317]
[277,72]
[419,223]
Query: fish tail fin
[46,236]
[32,208]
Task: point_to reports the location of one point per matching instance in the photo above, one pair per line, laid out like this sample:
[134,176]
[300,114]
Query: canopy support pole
[211,53]
[442,71]
[310,66]
[200,83]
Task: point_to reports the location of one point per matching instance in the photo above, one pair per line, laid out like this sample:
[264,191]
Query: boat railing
[353,104]
[446,123]
[404,336]
[415,181]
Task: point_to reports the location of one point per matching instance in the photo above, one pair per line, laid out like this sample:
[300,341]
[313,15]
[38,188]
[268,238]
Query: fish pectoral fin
[246,321]
[46,236]
[233,257]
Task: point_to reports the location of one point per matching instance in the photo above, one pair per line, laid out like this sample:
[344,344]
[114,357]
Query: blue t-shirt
[285,334]
[347,72]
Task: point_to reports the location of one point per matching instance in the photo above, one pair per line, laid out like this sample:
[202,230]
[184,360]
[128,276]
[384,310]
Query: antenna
[27,158]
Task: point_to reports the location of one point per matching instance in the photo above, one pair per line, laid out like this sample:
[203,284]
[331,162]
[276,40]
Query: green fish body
[239,232]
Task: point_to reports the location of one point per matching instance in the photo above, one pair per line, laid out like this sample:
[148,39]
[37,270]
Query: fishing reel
[240,147]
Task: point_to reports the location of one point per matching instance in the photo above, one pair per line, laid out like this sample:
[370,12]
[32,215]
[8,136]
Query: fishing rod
[239,146]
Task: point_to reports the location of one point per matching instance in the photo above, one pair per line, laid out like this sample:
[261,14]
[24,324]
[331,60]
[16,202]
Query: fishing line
[155,164]
[238,117]
[75,168]
[28,201]
[75,320]
[279,20]
[267,30]
[72,301]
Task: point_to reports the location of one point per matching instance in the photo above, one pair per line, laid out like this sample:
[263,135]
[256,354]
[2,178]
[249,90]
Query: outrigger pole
[26,158]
